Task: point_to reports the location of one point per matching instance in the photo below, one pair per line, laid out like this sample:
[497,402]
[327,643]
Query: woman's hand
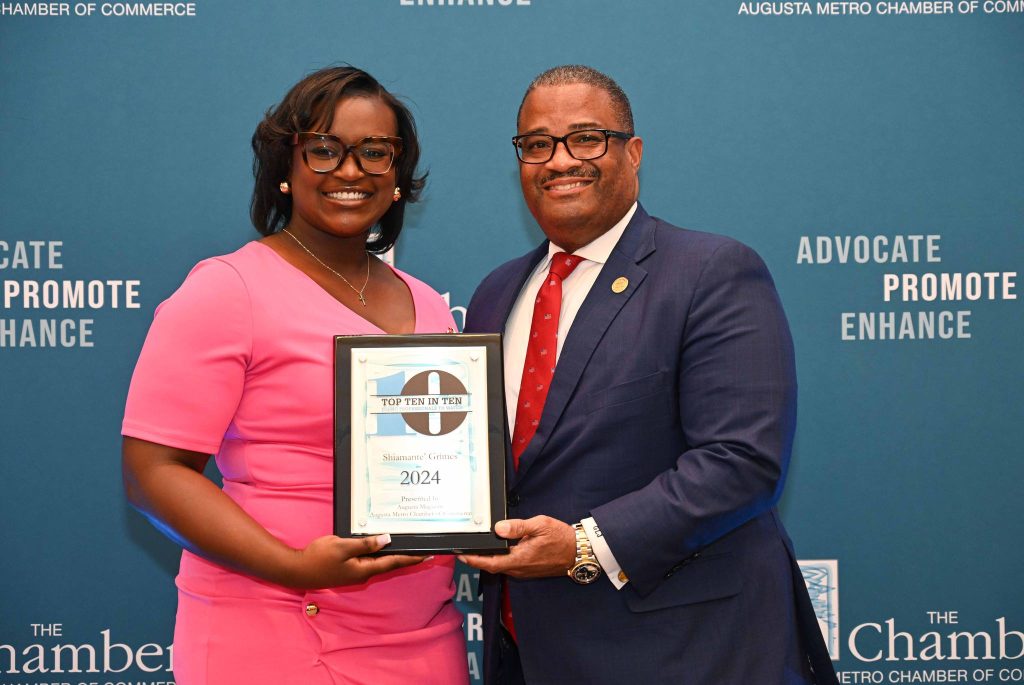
[331,561]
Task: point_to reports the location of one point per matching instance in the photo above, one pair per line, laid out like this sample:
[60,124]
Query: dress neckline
[302,275]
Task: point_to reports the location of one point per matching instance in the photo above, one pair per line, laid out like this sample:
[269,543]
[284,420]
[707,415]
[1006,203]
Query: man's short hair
[579,73]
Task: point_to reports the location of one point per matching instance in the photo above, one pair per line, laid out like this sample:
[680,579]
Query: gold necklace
[358,291]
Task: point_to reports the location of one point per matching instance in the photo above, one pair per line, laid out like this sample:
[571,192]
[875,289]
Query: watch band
[586,569]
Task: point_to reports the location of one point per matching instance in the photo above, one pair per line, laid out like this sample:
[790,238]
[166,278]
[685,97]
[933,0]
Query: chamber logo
[821,576]
[53,652]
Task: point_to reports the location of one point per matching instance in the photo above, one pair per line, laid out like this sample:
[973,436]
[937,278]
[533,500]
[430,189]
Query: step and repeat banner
[871,152]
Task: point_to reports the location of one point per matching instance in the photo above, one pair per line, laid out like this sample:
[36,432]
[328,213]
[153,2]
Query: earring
[398,194]
[285,188]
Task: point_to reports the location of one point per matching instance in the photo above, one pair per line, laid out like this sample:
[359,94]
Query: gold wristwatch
[586,569]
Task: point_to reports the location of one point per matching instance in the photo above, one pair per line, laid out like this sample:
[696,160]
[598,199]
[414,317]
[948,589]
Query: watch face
[586,572]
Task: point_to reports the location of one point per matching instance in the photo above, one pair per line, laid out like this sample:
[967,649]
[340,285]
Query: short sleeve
[189,378]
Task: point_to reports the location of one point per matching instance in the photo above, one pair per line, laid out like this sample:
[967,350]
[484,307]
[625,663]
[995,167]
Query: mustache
[572,173]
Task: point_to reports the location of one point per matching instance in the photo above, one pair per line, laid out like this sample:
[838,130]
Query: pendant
[362,299]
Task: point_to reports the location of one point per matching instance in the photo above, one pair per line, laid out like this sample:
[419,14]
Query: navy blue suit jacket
[670,420]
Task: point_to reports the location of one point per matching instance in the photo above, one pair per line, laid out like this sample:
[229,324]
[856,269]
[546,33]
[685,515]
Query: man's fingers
[510,529]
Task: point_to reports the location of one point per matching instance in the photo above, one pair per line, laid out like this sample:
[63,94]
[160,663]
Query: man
[647,461]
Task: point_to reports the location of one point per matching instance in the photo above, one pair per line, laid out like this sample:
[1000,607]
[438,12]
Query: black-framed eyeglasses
[591,143]
[324,153]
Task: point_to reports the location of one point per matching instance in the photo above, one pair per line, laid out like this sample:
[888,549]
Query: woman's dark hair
[308,106]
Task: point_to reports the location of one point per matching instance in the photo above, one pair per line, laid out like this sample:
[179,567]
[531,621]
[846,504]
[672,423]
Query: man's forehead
[573,105]
[566,93]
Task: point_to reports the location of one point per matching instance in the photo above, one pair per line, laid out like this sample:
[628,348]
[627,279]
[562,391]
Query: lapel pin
[620,284]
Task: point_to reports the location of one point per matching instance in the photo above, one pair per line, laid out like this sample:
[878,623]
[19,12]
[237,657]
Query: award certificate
[419,441]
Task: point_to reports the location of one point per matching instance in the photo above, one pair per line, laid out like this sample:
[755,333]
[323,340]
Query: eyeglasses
[324,152]
[591,143]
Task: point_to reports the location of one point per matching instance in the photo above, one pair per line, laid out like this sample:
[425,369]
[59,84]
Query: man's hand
[547,547]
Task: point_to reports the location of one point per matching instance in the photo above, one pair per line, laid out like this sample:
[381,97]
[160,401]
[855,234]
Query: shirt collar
[600,248]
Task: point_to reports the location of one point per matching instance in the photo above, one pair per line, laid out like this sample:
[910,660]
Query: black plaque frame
[422,543]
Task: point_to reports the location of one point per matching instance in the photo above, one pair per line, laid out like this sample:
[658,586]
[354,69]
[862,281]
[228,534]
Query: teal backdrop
[871,152]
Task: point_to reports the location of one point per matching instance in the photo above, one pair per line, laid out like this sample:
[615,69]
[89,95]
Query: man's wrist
[586,568]
[609,564]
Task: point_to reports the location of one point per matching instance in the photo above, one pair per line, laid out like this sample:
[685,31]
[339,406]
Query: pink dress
[238,363]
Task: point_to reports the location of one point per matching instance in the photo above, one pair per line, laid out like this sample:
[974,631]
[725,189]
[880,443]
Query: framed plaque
[419,441]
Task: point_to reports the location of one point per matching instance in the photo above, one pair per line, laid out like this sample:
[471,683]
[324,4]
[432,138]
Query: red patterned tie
[538,370]
[539,366]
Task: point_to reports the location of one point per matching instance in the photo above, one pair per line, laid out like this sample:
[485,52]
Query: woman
[238,362]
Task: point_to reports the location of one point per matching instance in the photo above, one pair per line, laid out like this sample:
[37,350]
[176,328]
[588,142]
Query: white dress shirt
[575,288]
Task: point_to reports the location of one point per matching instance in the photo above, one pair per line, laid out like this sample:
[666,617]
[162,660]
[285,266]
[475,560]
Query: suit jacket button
[312,610]
[513,499]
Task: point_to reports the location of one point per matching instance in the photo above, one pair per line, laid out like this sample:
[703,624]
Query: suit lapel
[599,308]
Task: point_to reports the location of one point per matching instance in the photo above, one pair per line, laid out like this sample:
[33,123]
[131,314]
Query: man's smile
[568,183]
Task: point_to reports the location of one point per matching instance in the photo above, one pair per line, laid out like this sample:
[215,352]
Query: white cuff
[604,554]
